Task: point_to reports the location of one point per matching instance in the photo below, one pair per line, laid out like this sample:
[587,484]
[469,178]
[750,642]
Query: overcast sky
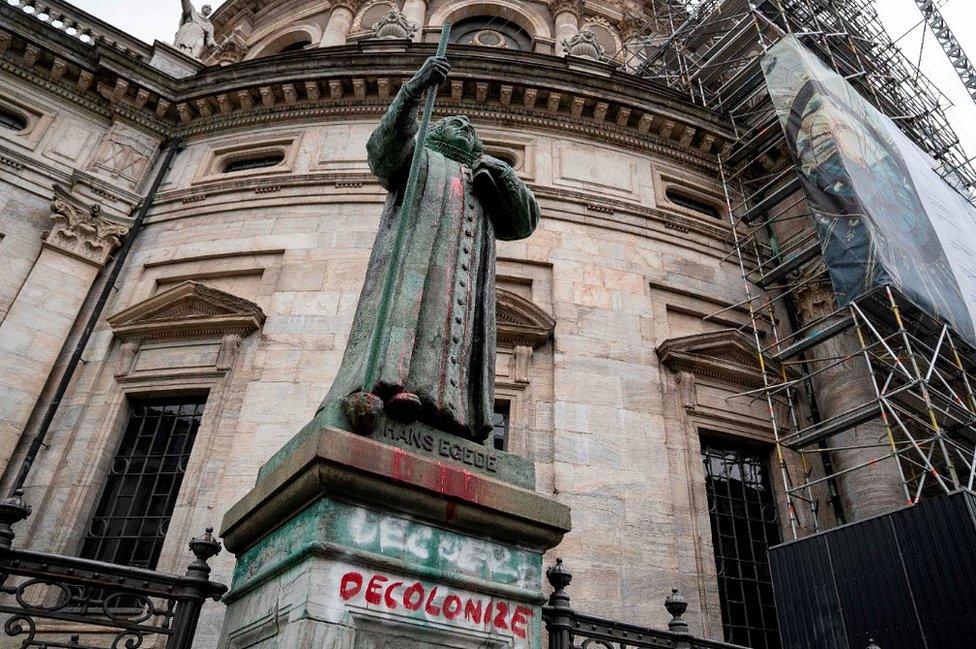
[159,19]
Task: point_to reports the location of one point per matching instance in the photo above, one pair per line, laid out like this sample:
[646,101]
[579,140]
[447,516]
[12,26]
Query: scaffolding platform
[921,373]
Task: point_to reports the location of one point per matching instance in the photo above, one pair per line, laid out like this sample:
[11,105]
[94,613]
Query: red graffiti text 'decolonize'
[393,595]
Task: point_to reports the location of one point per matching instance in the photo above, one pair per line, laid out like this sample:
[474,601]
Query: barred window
[499,425]
[742,510]
[130,522]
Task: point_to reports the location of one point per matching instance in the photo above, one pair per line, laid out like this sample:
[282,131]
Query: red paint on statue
[457,186]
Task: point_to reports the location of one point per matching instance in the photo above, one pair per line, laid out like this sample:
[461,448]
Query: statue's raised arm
[391,146]
[196,32]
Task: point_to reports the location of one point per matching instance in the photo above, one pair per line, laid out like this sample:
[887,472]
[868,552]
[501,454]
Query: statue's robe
[441,329]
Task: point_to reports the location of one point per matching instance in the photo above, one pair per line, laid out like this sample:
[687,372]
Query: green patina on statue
[422,345]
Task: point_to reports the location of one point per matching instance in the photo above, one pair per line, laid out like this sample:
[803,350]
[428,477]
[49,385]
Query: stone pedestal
[357,543]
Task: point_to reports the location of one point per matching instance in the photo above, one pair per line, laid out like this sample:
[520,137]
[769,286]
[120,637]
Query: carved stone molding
[520,322]
[80,230]
[124,155]
[584,43]
[727,355]
[188,309]
[393,25]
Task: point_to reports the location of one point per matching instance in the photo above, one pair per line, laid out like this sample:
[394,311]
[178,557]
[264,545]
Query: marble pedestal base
[356,544]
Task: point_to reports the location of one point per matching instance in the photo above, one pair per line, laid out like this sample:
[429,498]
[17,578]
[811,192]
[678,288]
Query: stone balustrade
[81,25]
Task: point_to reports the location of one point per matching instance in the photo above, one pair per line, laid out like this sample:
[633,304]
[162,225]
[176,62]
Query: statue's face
[455,137]
[458,132]
[206,10]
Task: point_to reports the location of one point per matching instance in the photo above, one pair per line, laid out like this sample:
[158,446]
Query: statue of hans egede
[436,363]
[196,31]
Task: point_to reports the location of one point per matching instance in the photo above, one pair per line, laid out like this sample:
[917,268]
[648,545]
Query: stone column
[416,12]
[870,490]
[566,14]
[41,318]
[340,21]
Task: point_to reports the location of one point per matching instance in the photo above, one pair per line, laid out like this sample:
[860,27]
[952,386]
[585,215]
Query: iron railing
[569,629]
[50,601]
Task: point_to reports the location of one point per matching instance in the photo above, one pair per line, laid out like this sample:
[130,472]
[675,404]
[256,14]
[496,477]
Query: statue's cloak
[441,329]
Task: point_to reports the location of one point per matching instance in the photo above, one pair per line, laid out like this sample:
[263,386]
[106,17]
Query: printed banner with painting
[883,214]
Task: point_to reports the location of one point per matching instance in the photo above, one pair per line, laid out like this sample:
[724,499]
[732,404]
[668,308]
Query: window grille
[130,523]
[742,510]
[499,425]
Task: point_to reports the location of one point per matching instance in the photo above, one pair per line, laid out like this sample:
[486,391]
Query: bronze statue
[422,345]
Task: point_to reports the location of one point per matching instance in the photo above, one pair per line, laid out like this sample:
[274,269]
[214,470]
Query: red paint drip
[467,485]
[396,467]
[457,186]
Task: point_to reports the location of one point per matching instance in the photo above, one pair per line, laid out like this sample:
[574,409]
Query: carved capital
[232,50]
[352,6]
[562,6]
[815,299]
[80,230]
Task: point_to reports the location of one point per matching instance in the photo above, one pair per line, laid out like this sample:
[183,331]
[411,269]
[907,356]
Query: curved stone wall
[609,363]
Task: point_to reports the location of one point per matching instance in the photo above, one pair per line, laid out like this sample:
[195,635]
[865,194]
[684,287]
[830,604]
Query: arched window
[491,32]
[297,46]
[12,120]
[292,41]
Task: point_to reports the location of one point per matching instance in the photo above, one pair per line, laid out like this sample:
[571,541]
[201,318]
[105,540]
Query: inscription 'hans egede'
[448,448]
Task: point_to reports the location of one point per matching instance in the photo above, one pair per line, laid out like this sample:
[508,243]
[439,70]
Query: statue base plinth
[354,543]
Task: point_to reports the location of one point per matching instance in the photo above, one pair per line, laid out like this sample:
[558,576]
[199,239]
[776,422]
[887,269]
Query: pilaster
[41,317]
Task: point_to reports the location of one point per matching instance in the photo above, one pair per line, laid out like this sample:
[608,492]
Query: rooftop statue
[422,345]
[196,31]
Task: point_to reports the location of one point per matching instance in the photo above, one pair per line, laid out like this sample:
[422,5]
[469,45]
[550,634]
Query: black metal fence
[571,630]
[52,601]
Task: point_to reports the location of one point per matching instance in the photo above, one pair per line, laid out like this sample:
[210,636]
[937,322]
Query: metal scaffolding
[922,408]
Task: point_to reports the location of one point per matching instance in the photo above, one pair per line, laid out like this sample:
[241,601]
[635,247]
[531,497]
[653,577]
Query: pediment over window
[187,309]
[521,322]
[727,355]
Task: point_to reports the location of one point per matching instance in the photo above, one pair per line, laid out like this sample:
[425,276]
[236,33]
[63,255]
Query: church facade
[620,344]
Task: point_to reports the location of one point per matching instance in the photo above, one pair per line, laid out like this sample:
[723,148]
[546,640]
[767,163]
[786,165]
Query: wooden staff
[379,339]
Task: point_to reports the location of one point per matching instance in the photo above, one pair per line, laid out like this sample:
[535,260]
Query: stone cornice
[521,322]
[522,88]
[599,209]
[727,355]
[188,309]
